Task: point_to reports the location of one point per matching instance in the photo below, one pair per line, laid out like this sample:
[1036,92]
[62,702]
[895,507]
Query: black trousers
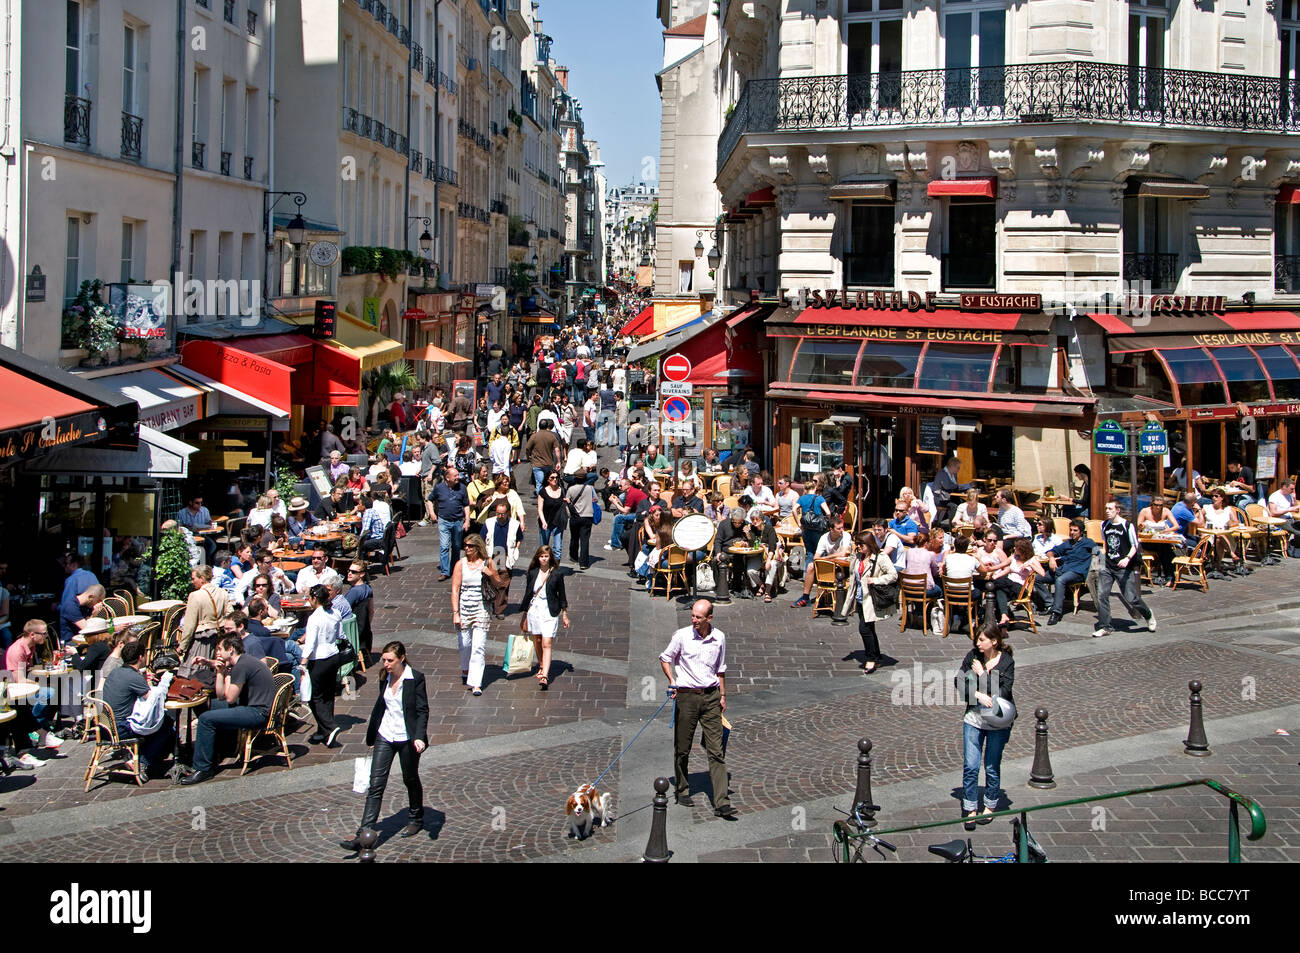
[870,644]
[324,685]
[381,762]
[580,539]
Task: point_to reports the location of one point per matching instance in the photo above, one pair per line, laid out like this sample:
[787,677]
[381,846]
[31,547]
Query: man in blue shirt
[451,504]
[1071,562]
[74,610]
[79,578]
[1187,513]
[903,526]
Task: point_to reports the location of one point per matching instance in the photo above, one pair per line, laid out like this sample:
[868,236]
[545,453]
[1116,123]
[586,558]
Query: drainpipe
[267,246]
[178,196]
[437,140]
[406,221]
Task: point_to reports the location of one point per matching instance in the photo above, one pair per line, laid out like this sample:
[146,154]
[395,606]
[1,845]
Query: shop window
[825,362]
[1282,368]
[1140,374]
[731,424]
[870,256]
[1005,372]
[889,365]
[815,447]
[956,367]
[1197,378]
[995,452]
[970,259]
[1246,379]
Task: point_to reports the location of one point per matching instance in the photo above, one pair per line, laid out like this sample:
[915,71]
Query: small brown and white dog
[584,807]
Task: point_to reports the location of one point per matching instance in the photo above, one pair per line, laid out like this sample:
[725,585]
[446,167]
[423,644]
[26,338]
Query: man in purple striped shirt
[699,652]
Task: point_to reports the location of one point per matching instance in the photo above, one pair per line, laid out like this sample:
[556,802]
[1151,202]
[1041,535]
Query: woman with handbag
[544,607]
[581,501]
[984,682]
[471,608]
[875,585]
[204,609]
[552,513]
[320,653]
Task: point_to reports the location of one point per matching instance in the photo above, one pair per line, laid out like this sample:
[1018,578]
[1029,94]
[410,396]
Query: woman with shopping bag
[399,727]
[544,607]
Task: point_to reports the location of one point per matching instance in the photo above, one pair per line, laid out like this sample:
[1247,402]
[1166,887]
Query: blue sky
[613,48]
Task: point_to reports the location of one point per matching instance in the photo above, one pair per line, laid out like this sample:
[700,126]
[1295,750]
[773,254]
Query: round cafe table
[160,605]
[9,715]
[323,538]
[17,691]
[286,565]
[127,620]
[179,704]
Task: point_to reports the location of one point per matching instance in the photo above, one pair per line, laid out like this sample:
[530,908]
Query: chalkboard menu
[930,435]
[635,378]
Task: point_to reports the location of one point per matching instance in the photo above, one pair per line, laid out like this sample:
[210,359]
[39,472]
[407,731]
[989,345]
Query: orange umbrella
[432,352]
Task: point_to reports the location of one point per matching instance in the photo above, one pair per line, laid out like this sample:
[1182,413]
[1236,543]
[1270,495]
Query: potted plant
[172,567]
[88,324]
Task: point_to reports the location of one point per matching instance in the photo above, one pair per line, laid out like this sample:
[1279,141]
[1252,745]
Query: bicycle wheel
[840,850]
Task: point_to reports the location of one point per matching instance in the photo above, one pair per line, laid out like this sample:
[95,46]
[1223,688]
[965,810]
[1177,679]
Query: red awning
[747,312]
[252,373]
[983,187]
[334,380]
[942,324]
[712,356]
[29,402]
[763,198]
[1288,195]
[643,323]
[1227,322]
[291,349]
[1070,408]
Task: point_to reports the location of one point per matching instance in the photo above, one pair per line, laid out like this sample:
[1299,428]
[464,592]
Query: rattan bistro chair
[824,580]
[107,740]
[1254,513]
[274,728]
[1025,600]
[1194,565]
[912,590]
[127,596]
[958,594]
[676,566]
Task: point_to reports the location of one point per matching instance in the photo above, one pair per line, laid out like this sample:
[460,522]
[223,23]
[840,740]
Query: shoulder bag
[883,598]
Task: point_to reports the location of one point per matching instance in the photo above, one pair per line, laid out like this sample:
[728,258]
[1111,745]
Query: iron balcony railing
[204,4]
[390,139]
[499,207]
[430,169]
[248,167]
[225,162]
[378,131]
[198,151]
[252,23]
[417,58]
[380,12]
[417,161]
[1069,91]
[76,120]
[1286,273]
[351,120]
[431,71]
[132,126]
[448,176]
[230,11]
[501,276]
[367,6]
[1160,269]
[364,127]
[394,25]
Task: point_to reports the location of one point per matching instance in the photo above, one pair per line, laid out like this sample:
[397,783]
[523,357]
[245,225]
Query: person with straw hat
[300,519]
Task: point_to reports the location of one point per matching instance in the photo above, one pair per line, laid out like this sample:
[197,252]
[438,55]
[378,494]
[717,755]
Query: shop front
[892,387]
[1223,384]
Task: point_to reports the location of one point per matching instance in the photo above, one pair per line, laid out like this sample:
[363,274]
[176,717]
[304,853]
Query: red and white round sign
[676,368]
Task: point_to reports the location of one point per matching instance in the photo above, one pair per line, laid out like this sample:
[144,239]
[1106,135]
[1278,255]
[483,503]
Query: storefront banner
[1124,345]
[24,442]
[173,415]
[267,380]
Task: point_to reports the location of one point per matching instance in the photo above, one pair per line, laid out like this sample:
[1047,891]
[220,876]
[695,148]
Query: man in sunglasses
[318,573]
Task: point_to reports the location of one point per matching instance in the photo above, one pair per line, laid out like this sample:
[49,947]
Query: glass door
[974,56]
[874,56]
[1146,57]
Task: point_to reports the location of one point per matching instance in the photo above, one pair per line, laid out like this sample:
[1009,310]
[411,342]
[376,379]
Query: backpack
[814,521]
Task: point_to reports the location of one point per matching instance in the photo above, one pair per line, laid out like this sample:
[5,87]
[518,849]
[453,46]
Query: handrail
[843,833]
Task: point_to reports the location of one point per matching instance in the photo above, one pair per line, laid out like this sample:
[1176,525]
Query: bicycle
[841,833]
[963,852]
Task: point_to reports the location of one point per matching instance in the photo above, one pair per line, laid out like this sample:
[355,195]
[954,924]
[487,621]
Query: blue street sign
[1153,441]
[1109,438]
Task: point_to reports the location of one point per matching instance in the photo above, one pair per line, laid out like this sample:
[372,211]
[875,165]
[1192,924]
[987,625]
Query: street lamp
[425,239]
[297,227]
[715,256]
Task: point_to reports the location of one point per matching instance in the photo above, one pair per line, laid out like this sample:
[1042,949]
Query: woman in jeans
[582,498]
[399,727]
[987,672]
[320,652]
[551,514]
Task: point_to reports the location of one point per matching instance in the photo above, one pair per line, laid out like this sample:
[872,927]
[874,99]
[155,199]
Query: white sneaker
[52,741]
[1100,633]
[609,548]
[1151,623]
[27,761]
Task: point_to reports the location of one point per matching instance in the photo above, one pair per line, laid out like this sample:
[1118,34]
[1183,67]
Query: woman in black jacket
[541,616]
[399,725]
[987,673]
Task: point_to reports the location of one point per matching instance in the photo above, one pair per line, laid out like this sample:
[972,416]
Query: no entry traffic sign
[676,409]
[676,367]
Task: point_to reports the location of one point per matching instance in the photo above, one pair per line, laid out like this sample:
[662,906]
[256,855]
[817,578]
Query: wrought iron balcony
[969,271]
[351,120]
[132,126]
[448,176]
[76,120]
[1286,273]
[404,36]
[248,167]
[252,23]
[378,131]
[501,276]
[430,169]
[204,4]
[431,72]
[1160,269]
[417,58]
[394,25]
[499,207]
[365,126]
[390,139]
[230,11]
[417,161]
[198,152]
[381,12]
[367,6]
[1070,91]
[225,162]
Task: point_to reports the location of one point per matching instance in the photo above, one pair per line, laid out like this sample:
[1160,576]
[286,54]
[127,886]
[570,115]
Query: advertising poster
[810,458]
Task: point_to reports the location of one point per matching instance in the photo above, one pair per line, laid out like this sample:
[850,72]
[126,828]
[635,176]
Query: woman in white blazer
[870,568]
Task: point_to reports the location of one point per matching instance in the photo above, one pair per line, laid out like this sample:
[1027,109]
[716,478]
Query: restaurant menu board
[731,424]
[810,458]
[930,435]
[320,481]
[1266,460]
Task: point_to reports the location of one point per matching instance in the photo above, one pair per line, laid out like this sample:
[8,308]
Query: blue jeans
[553,537]
[450,535]
[616,535]
[539,477]
[157,747]
[973,739]
[222,715]
[1064,579]
[294,651]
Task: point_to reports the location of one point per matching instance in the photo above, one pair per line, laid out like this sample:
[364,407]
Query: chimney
[562,74]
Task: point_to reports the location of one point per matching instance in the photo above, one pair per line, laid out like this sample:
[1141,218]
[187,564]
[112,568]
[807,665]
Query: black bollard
[722,581]
[1197,745]
[368,839]
[863,808]
[656,848]
[1040,775]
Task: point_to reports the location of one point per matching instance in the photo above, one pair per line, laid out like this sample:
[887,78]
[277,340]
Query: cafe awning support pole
[266,476]
[1133,472]
[157,540]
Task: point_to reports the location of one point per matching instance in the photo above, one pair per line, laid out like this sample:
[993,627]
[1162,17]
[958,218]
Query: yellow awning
[363,341]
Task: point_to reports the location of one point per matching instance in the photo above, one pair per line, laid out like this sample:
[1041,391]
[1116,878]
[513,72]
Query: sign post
[1108,439]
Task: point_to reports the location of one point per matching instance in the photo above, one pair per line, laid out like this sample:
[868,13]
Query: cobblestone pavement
[500,766]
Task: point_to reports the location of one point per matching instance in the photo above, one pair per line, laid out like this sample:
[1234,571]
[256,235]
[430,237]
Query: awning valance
[1200,323]
[158,455]
[643,323]
[225,399]
[908,401]
[243,373]
[985,186]
[1288,195]
[862,192]
[367,345]
[166,402]
[942,324]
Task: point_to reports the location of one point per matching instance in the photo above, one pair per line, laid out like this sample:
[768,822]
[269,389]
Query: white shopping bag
[304,686]
[361,774]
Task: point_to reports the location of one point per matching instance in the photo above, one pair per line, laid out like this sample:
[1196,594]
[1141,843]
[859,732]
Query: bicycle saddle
[954,851]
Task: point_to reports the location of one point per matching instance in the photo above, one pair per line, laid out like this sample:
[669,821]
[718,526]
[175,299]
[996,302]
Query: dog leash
[634,738]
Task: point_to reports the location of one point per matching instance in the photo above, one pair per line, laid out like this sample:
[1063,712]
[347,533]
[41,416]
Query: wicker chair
[104,729]
[271,662]
[1194,565]
[102,611]
[127,596]
[912,590]
[824,580]
[1254,512]
[676,566]
[117,605]
[1025,600]
[958,594]
[274,728]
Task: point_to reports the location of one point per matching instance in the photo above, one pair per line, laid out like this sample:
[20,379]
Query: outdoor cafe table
[17,691]
[843,564]
[181,705]
[160,605]
[1216,534]
[1049,503]
[287,565]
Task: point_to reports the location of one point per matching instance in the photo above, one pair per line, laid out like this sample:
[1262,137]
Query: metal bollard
[368,839]
[1040,775]
[863,808]
[1197,745]
[656,848]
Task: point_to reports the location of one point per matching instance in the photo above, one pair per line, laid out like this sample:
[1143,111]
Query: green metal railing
[844,833]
